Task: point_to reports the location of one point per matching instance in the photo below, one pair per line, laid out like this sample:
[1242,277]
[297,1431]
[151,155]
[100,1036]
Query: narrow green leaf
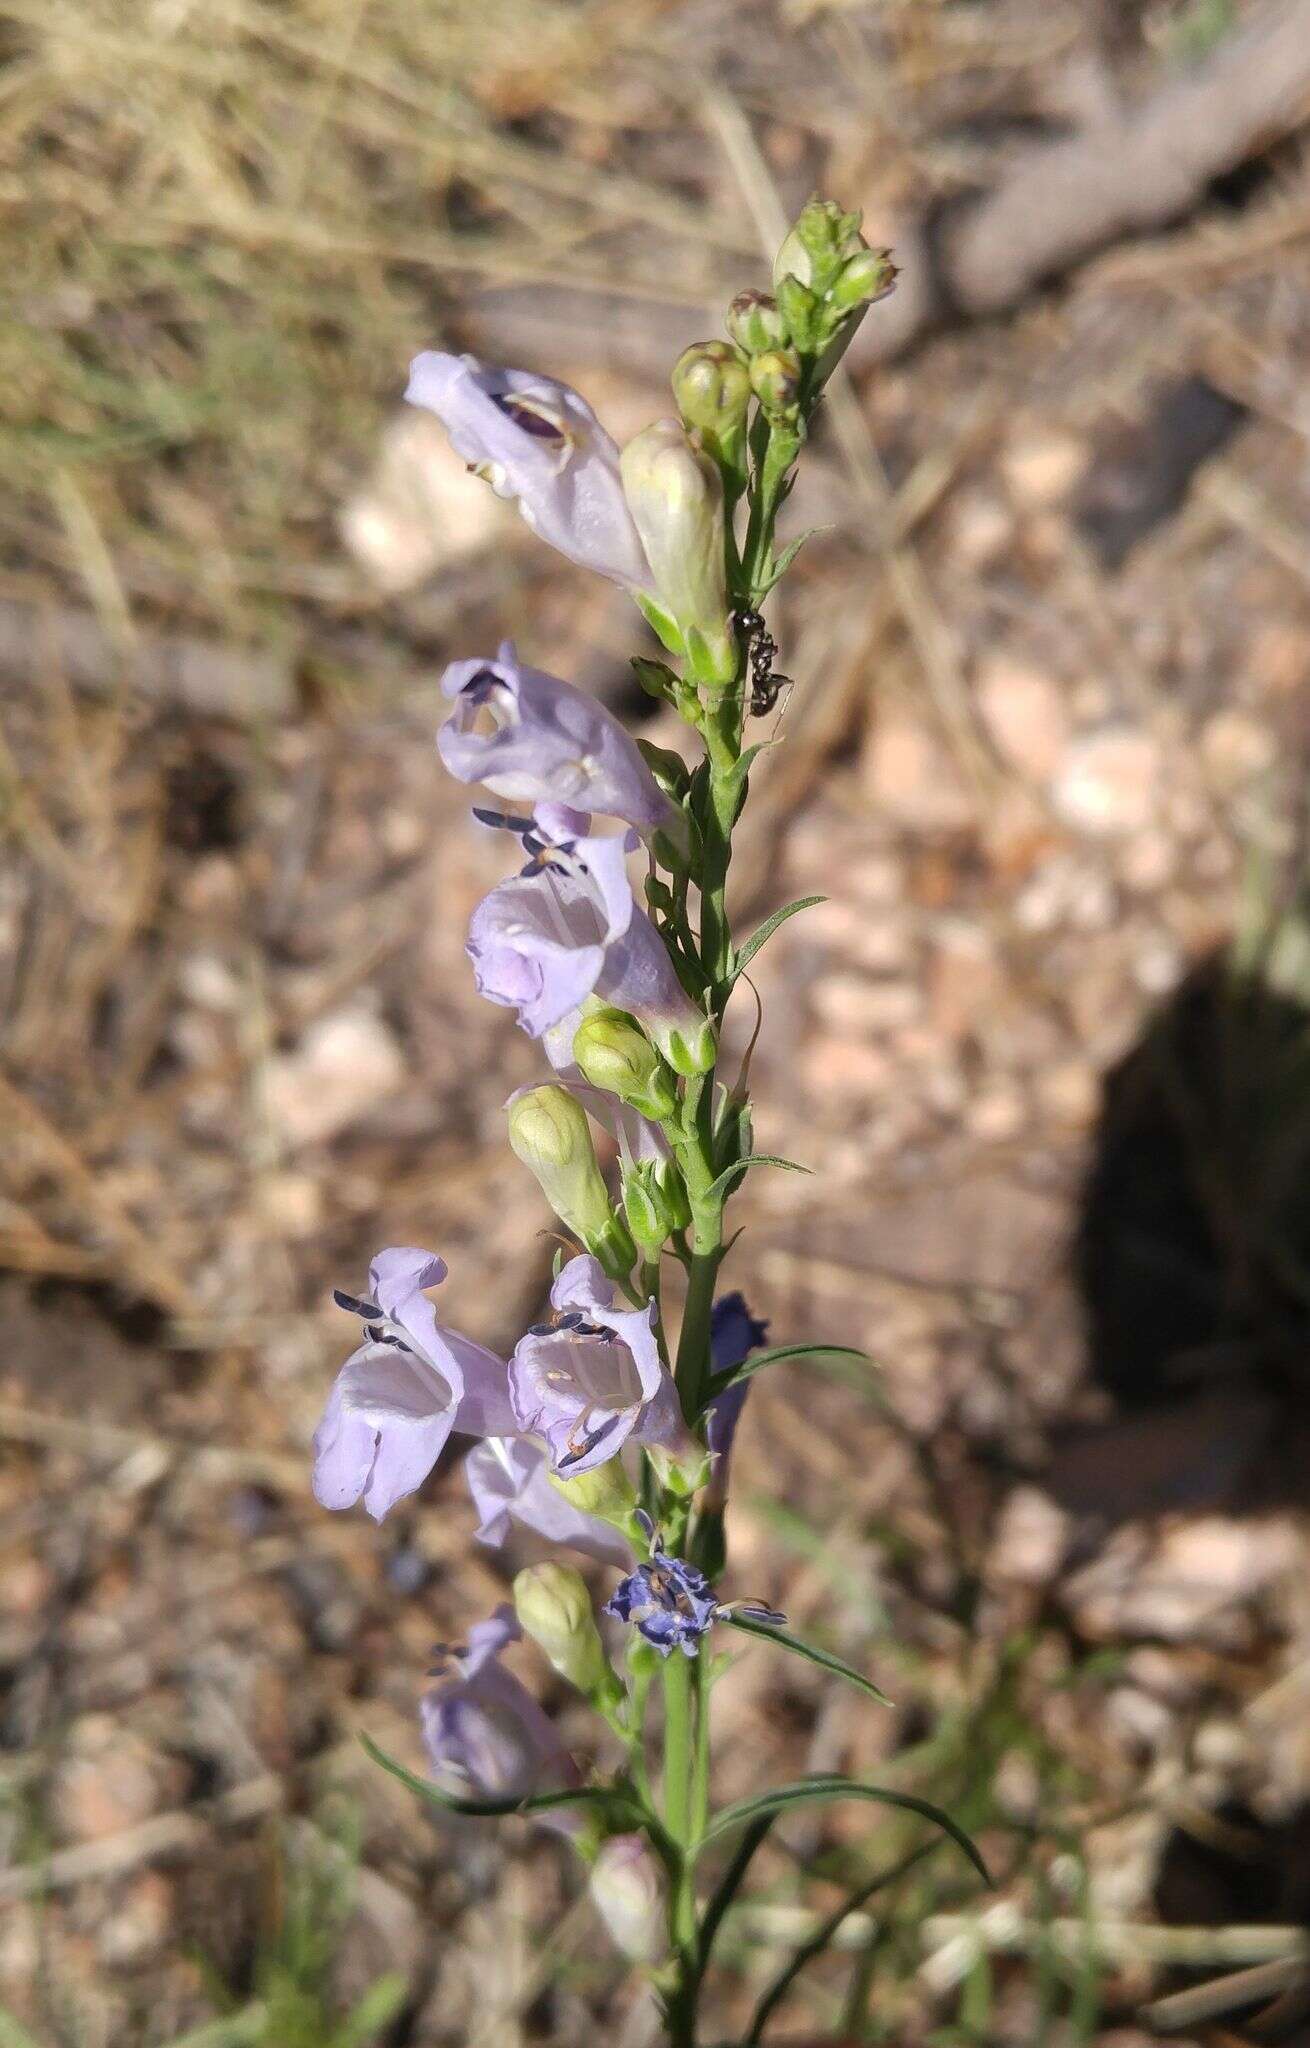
[374,2010]
[765,931]
[815,1791]
[778,1353]
[781,563]
[786,1641]
[537,1802]
[730,1884]
[752,1159]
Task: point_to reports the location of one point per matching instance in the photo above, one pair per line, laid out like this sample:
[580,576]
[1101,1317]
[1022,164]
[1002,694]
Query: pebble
[850,1003]
[839,1069]
[996,1113]
[1069,1092]
[108,1780]
[980,529]
[1041,466]
[344,1065]
[1234,749]
[1025,712]
[1147,860]
[1108,782]
[421,508]
[910,777]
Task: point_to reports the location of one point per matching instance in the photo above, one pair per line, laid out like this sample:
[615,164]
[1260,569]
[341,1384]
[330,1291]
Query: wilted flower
[672,1603]
[539,442]
[552,742]
[593,1376]
[509,1481]
[627,1890]
[567,927]
[484,1732]
[399,1396]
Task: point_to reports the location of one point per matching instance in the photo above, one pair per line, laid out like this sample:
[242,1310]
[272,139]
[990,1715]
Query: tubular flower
[539,442]
[592,1377]
[508,1479]
[484,1732]
[398,1397]
[567,927]
[551,742]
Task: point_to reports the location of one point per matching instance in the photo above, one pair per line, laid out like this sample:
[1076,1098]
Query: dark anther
[355,1307]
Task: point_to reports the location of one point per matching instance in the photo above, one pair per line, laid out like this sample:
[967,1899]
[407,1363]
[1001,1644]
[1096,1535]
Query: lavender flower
[593,1376]
[398,1397]
[508,1478]
[567,927]
[539,442]
[484,1732]
[551,742]
[628,1891]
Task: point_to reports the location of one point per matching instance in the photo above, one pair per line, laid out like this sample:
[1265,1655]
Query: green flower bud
[818,244]
[755,322]
[606,1492]
[864,277]
[681,1467]
[655,1203]
[554,1608]
[776,378]
[689,1049]
[614,1053]
[549,1132]
[675,496]
[713,392]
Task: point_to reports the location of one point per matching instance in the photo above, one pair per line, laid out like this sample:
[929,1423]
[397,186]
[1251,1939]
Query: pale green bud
[713,392]
[614,1053]
[554,1608]
[655,1203]
[755,322]
[818,244]
[681,1466]
[864,277]
[627,1889]
[675,496]
[776,379]
[549,1132]
[607,1492]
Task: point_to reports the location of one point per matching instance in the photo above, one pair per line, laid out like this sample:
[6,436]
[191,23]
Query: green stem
[679,1819]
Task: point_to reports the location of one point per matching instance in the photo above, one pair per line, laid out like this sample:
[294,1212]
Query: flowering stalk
[595,1436]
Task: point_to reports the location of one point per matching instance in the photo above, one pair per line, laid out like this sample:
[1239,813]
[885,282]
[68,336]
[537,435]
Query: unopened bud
[818,244]
[655,1203]
[614,1053]
[713,391]
[606,1492]
[801,309]
[755,322]
[864,277]
[675,496]
[627,1890]
[549,1132]
[554,1608]
[776,378]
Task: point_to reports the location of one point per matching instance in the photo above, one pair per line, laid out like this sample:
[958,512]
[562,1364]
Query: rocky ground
[1043,1045]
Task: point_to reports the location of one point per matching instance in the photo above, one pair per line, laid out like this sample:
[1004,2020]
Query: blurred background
[1047,1040]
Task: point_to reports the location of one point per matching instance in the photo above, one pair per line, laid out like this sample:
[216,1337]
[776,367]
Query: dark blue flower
[669,1601]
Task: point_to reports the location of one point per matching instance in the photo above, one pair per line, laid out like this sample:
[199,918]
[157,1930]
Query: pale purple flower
[551,742]
[399,1396]
[508,1480]
[537,441]
[592,1377]
[627,1888]
[567,927]
[485,1734]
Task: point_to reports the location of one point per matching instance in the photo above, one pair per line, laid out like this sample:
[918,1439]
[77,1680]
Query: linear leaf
[764,932]
[752,1159]
[730,1883]
[777,1354]
[536,1802]
[815,1791]
[786,1641]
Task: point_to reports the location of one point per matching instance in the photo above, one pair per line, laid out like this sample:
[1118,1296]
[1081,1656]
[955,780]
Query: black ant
[766,681]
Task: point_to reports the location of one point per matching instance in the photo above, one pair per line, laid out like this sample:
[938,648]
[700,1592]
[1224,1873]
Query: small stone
[964,978]
[1032,1534]
[344,1065]
[291,1205]
[910,777]
[996,1113]
[1234,749]
[108,1780]
[1146,861]
[1108,782]
[1025,713]
[421,509]
[980,529]
[851,1004]
[1158,966]
[206,980]
[1069,1092]
[1041,466]
[841,1070]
